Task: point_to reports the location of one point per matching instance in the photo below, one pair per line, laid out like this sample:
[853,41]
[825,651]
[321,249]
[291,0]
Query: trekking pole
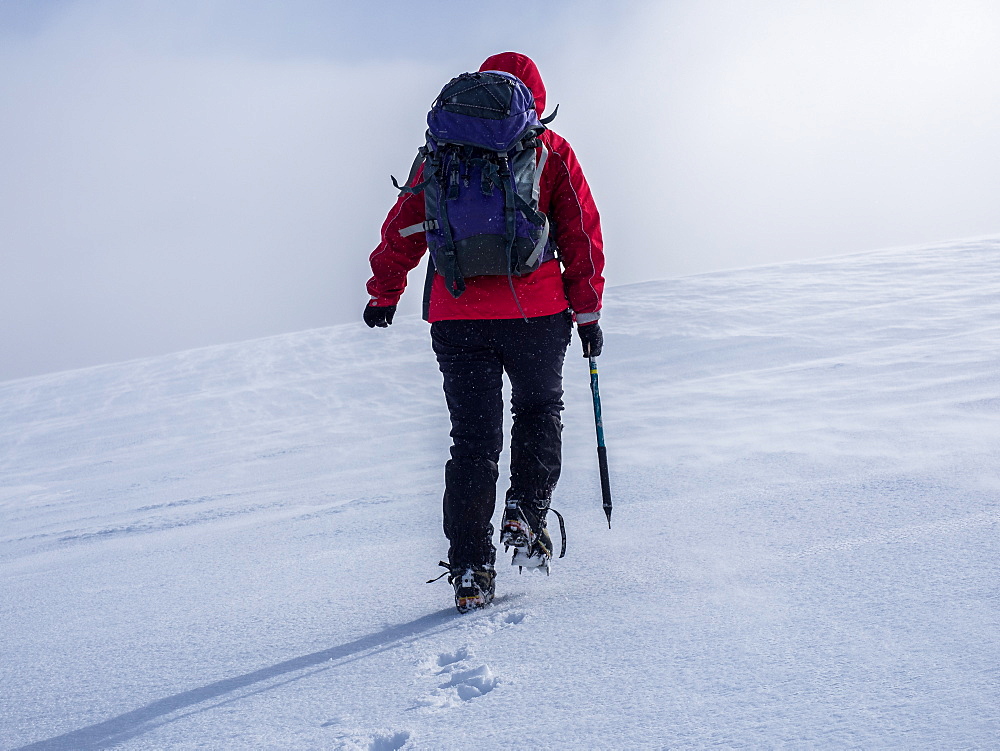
[602,452]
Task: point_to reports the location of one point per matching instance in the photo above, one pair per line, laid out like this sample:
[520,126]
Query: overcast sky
[178,173]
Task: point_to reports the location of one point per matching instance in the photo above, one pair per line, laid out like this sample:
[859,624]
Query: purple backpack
[481,181]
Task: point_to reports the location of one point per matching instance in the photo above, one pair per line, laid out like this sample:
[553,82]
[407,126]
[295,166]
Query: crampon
[474,585]
[525,531]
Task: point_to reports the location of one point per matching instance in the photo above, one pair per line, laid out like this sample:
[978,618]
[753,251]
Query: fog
[174,175]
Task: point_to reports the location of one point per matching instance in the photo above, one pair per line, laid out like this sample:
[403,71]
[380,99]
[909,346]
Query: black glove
[592,338]
[379,315]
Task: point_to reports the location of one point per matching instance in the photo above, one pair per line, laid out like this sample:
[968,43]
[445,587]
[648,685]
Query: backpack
[481,181]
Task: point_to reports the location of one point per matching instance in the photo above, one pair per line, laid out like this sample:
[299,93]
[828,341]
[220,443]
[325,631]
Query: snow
[227,547]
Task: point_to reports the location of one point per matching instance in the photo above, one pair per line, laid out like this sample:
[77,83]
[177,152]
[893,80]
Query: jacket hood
[524,68]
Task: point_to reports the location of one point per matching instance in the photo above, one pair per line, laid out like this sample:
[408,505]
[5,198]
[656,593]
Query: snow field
[226,548]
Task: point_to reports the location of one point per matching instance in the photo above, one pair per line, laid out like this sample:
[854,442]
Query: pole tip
[607,512]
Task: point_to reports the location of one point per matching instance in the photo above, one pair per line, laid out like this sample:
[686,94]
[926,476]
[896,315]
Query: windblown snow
[227,548]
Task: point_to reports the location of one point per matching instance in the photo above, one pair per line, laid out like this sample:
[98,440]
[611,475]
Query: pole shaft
[602,451]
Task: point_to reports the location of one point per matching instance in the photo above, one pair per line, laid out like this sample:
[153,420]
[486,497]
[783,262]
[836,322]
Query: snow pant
[473,355]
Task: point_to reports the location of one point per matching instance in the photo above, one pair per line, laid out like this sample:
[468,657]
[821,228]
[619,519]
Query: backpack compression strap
[535,192]
[419,227]
[420,158]
[447,259]
[510,204]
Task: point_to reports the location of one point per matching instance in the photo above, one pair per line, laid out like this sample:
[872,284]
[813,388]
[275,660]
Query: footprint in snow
[360,740]
[471,684]
[499,621]
[513,619]
[463,683]
[389,741]
[450,658]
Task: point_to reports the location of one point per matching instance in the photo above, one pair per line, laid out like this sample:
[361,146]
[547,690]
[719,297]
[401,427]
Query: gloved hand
[379,315]
[592,338]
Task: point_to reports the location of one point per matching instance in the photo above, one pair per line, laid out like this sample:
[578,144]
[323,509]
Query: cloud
[154,200]
[744,133]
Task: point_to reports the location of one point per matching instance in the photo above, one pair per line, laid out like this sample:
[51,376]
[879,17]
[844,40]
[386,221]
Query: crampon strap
[447,571]
[562,532]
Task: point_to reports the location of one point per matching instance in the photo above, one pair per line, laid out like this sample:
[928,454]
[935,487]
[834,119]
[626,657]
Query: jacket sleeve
[396,255]
[577,226]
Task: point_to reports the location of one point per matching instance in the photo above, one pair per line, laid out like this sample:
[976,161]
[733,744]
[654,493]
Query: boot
[474,586]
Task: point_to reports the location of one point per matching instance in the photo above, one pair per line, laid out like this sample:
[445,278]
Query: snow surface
[227,548]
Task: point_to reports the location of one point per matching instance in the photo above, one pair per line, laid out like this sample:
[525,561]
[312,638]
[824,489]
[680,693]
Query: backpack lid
[488,109]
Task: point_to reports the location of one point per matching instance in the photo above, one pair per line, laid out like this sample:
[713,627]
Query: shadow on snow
[144,719]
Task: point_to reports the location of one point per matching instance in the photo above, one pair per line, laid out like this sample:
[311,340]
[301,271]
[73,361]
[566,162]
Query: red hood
[524,68]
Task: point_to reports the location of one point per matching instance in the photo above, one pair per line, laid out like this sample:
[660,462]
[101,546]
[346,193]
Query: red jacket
[564,196]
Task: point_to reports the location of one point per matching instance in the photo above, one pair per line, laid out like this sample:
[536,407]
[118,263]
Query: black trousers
[473,357]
